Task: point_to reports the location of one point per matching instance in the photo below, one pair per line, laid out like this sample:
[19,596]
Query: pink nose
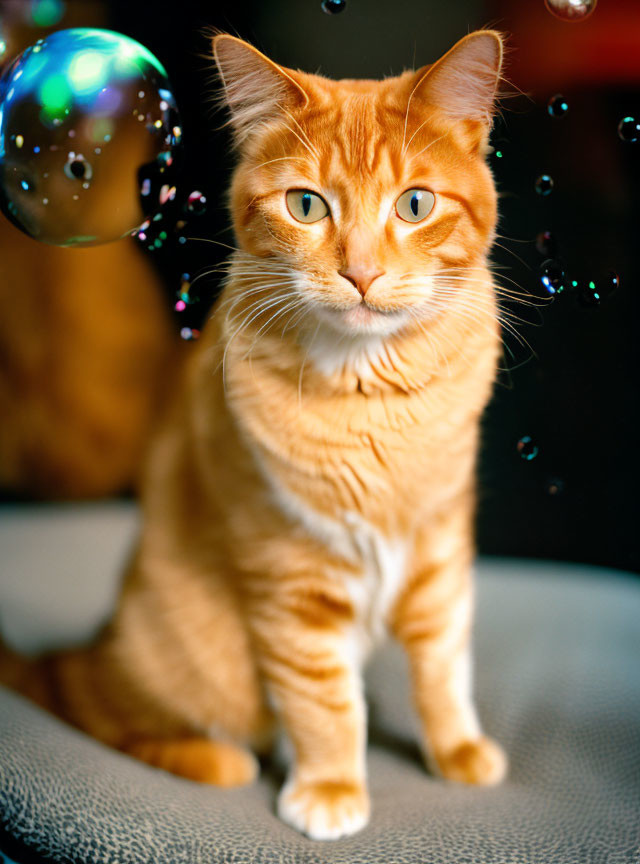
[361,277]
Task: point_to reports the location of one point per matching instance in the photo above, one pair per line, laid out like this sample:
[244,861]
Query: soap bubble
[588,293]
[546,244]
[609,284]
[544,184]
[196,203]
[526,448]
[500,149]
[332,7]
[629,129]
[571,10]
[552,277]
[555,486]
[89,134]
[557,106]
[46,13]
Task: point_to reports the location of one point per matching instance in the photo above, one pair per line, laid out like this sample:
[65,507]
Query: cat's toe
[481,762]
[324,811]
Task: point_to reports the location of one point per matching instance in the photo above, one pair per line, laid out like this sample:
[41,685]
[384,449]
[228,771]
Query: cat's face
[371,193]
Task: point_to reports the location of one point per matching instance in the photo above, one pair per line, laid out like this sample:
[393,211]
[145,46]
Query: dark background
[574,390]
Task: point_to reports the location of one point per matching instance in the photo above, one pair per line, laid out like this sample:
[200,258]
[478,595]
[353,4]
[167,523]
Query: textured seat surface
[557,680]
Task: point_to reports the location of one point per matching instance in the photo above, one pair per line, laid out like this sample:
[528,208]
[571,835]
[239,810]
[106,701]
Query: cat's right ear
[254,88]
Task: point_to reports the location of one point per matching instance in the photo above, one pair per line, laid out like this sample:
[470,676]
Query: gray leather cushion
[558,684]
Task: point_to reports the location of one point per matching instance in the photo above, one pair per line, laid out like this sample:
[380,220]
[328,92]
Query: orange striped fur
[312,488]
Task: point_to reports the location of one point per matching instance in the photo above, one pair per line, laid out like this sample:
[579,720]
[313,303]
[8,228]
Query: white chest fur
[381,564]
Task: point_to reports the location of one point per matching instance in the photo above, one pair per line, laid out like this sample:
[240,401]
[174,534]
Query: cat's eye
[306,206]
[414,205]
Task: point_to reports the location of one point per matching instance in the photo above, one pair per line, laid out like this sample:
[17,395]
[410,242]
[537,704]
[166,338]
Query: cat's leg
[202,759]
[432,619]
[302,641]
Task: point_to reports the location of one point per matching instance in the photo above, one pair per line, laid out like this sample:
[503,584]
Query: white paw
[324,811]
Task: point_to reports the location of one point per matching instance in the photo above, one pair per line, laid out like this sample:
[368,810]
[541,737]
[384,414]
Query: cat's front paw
[324,811]
[481,762]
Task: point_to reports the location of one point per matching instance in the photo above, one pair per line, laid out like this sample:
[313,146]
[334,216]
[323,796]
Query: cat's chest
[377,571]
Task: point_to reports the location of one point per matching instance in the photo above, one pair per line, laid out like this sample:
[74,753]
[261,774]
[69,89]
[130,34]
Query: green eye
[306,206]
[414,205]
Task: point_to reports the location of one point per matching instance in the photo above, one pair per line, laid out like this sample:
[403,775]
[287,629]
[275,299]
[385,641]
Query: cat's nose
[361,277]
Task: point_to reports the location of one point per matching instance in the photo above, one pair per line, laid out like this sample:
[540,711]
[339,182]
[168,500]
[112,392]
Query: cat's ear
[254,88]
[463,84]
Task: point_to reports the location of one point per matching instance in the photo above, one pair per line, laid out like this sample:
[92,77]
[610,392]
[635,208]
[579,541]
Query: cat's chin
[363,320]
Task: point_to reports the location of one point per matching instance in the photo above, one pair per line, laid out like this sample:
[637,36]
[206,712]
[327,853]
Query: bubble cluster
[552,277]
[544,184]
[629,129]
[527,449]
[557,106]
[332,7]
[571,10]
[89,135]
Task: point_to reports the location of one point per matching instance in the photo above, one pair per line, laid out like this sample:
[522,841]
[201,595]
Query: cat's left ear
[463,84]
[255,89]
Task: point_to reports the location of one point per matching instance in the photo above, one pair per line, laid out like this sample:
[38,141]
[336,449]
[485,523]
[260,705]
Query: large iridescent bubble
[89,133]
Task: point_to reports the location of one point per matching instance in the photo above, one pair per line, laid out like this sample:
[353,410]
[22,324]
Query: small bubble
[19,141]
[189,333]
[588,293]
[197,203]
[557,106]
[526,448]
[609,284]
[77,167]
[140,94]
[629,129]
[544,184]
[36,149]
[555,486]
[332,7]
[167,193]
[500,149]
[180,306]
[145,189]
[552,277]
[571,10]
[546,244]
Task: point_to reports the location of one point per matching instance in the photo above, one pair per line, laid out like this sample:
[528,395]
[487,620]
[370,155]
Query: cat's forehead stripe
[360,135]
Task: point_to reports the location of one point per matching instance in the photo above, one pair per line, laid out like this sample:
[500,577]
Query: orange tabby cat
[313,486]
